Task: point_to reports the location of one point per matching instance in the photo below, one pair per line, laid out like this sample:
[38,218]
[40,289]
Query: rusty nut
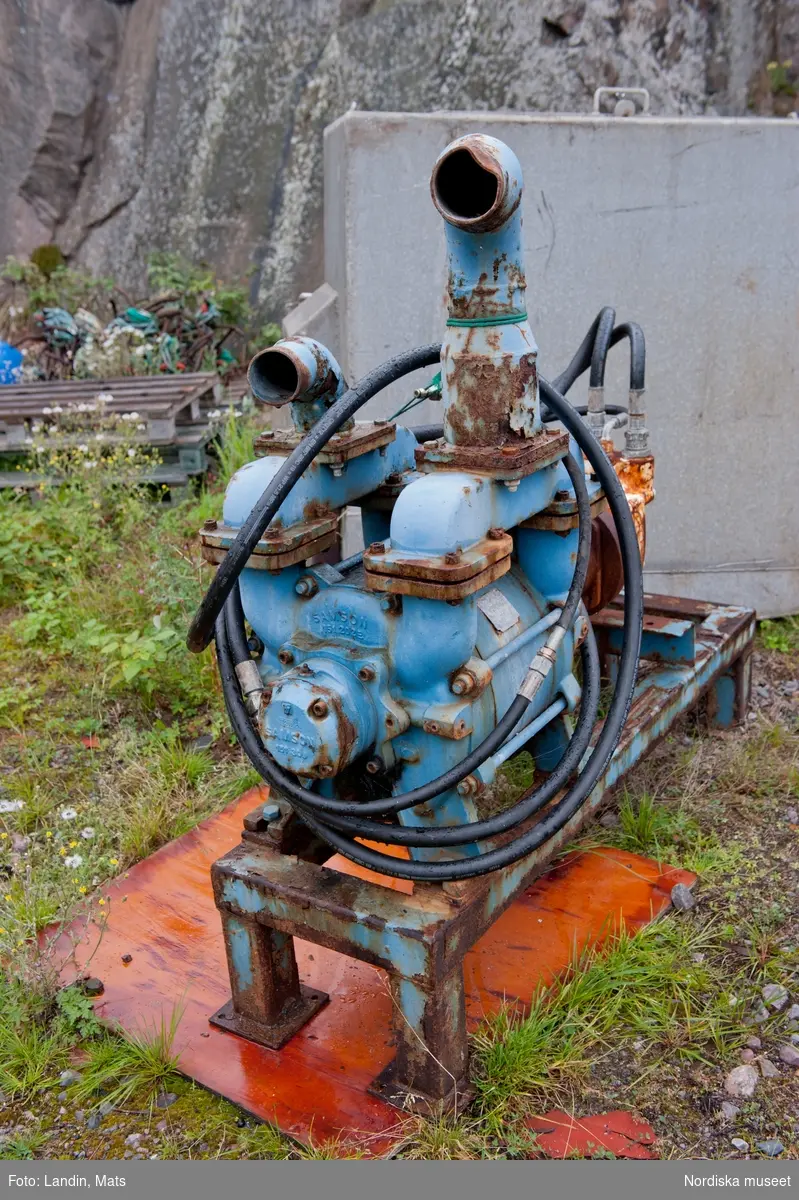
[377,547]
[285,656]
[463,683]
[470,786]
[307,586]
[366,673]
[319,708]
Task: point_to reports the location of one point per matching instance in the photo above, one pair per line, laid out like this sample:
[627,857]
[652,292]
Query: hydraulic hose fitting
[636,437]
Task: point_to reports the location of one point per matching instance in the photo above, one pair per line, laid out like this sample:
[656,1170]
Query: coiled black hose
[340,822]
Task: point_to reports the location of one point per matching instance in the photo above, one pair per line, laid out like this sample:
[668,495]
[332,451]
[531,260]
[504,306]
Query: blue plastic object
[10,363]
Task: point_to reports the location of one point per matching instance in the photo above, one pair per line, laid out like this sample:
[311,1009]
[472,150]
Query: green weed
[118,1067]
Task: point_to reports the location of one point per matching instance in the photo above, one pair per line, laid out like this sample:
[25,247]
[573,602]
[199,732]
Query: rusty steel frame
[267,896]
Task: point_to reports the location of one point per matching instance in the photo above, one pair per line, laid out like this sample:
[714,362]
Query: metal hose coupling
[543,663]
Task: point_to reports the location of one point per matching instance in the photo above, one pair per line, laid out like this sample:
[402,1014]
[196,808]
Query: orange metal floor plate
[162,914]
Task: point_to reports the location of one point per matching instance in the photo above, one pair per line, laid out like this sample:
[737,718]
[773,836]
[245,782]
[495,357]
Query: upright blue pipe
[489,375]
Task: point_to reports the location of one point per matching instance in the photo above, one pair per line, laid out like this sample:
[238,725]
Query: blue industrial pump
[379,695]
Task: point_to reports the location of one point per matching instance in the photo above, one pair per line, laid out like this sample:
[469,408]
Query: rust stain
[316,1085]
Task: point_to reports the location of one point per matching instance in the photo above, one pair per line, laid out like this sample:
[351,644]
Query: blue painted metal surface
[302,371]
[365,679]
[488,361]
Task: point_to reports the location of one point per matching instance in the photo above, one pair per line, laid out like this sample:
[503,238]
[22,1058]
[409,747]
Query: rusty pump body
[380,695]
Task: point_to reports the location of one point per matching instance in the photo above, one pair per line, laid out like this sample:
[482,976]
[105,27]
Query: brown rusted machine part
[605,577]
[488,390]
[513,460]
[279,547]
[346,445]
[637,477]
[439,577]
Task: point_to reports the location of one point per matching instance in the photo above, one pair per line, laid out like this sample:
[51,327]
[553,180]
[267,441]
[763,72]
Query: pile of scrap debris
[178,355]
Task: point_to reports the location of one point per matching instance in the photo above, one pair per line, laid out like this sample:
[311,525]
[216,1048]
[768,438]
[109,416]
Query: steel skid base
[274,886]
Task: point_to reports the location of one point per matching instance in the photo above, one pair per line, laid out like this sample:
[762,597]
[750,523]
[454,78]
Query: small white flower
[7,806]
[84,449]
[87,832]
[36,427]
[68,814]
[57,408]
[104,398]
[131,453]
[88,463]
[141,427]
[41,449]
[28,441]
[99,437]
[214,415]
[73,860]
[47,411]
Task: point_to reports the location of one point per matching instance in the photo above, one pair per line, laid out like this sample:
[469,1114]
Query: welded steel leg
[430,1068]
[269,1004]
[728,698]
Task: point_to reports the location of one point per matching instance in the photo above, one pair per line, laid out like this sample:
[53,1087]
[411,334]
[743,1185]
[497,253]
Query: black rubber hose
[427,433]
[582,359]
[202,627]
[531,802]
[567,807]
[599,355]
[286,784]
[585,355]
[635,334]
[570,803]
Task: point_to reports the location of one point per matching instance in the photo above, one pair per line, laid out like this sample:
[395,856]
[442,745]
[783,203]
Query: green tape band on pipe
[480,322]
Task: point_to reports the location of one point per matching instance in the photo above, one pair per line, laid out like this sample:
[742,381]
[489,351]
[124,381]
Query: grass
[131,1064]
[101,711]
[653,986]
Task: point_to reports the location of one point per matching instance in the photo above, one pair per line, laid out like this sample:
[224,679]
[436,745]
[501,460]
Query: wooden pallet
[164,402]
[171,475]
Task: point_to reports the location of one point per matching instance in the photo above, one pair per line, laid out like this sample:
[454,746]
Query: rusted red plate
[560,1135]
[161,913]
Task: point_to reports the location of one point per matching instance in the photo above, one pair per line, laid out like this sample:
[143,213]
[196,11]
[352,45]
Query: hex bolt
[470,786]
[451,557]
[390,604]
[268,433]
[512,484]
[366,673]
[210,524]
[307,586]
[375,765]
[270,812]
[463,683]
[286,657]
[496,533]
[508,450]
[337,472]
[319,708]
[254,644]
[377,547]
[562,494]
